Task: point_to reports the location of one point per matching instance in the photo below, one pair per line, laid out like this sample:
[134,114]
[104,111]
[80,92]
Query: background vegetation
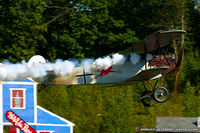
[92,28]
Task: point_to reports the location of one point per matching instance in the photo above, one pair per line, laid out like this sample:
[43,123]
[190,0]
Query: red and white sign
[18,122]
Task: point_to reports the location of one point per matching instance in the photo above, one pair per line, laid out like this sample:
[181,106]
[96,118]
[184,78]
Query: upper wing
[148,74]
[162,38]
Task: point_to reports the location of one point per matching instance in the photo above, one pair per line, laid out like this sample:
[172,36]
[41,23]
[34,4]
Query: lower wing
[148,74]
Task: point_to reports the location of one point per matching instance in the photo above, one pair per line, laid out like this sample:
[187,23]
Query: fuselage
[112,74]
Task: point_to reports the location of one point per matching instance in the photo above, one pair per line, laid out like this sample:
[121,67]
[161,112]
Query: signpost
[19,123]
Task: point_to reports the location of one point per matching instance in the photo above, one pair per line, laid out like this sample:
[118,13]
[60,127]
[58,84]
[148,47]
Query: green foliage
[191,100]
[191,67]
[79,29]
[92,108]
[192,18]
[85,29]
[20,29]
[99,108]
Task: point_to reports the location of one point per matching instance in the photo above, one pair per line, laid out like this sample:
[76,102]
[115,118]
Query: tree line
[86,28]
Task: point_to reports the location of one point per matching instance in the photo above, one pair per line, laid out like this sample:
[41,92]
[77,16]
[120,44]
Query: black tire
[147,99]
[161,94]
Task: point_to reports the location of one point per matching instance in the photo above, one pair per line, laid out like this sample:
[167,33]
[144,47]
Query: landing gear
[159,94]
[147,99]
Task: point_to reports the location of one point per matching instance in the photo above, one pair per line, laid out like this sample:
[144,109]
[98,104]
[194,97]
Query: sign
[18,122]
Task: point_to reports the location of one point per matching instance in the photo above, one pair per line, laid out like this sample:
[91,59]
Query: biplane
[161,63]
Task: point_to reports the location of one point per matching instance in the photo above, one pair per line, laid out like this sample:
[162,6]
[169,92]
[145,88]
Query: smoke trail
[37,71]
[87,64]
[103,63]
[118,59]
[135,58]
[38,67]
[63,67]
[10,71]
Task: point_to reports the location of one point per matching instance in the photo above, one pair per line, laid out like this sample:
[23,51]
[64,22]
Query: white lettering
[25,129]
[20,123]
[16,120]
[10,115]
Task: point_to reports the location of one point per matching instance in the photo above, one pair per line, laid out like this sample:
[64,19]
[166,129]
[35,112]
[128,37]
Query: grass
[95,109]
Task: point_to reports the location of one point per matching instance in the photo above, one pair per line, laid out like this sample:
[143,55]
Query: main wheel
[147,99]
[161,94]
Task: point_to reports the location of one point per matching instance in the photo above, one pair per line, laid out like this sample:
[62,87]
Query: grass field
[101,109]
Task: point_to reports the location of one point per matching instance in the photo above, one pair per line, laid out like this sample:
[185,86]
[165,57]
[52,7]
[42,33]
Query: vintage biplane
[162,63]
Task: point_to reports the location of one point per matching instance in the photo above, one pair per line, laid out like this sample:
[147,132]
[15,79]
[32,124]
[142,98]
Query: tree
[85,29]
[190,99]
[20,29]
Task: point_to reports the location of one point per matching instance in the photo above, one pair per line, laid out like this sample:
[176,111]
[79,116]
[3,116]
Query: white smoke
[103,63]
[87,64]
[21,71]
[63,68]
[38,71]
[135,58]
[118,59]
[38,67]
[10,71]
